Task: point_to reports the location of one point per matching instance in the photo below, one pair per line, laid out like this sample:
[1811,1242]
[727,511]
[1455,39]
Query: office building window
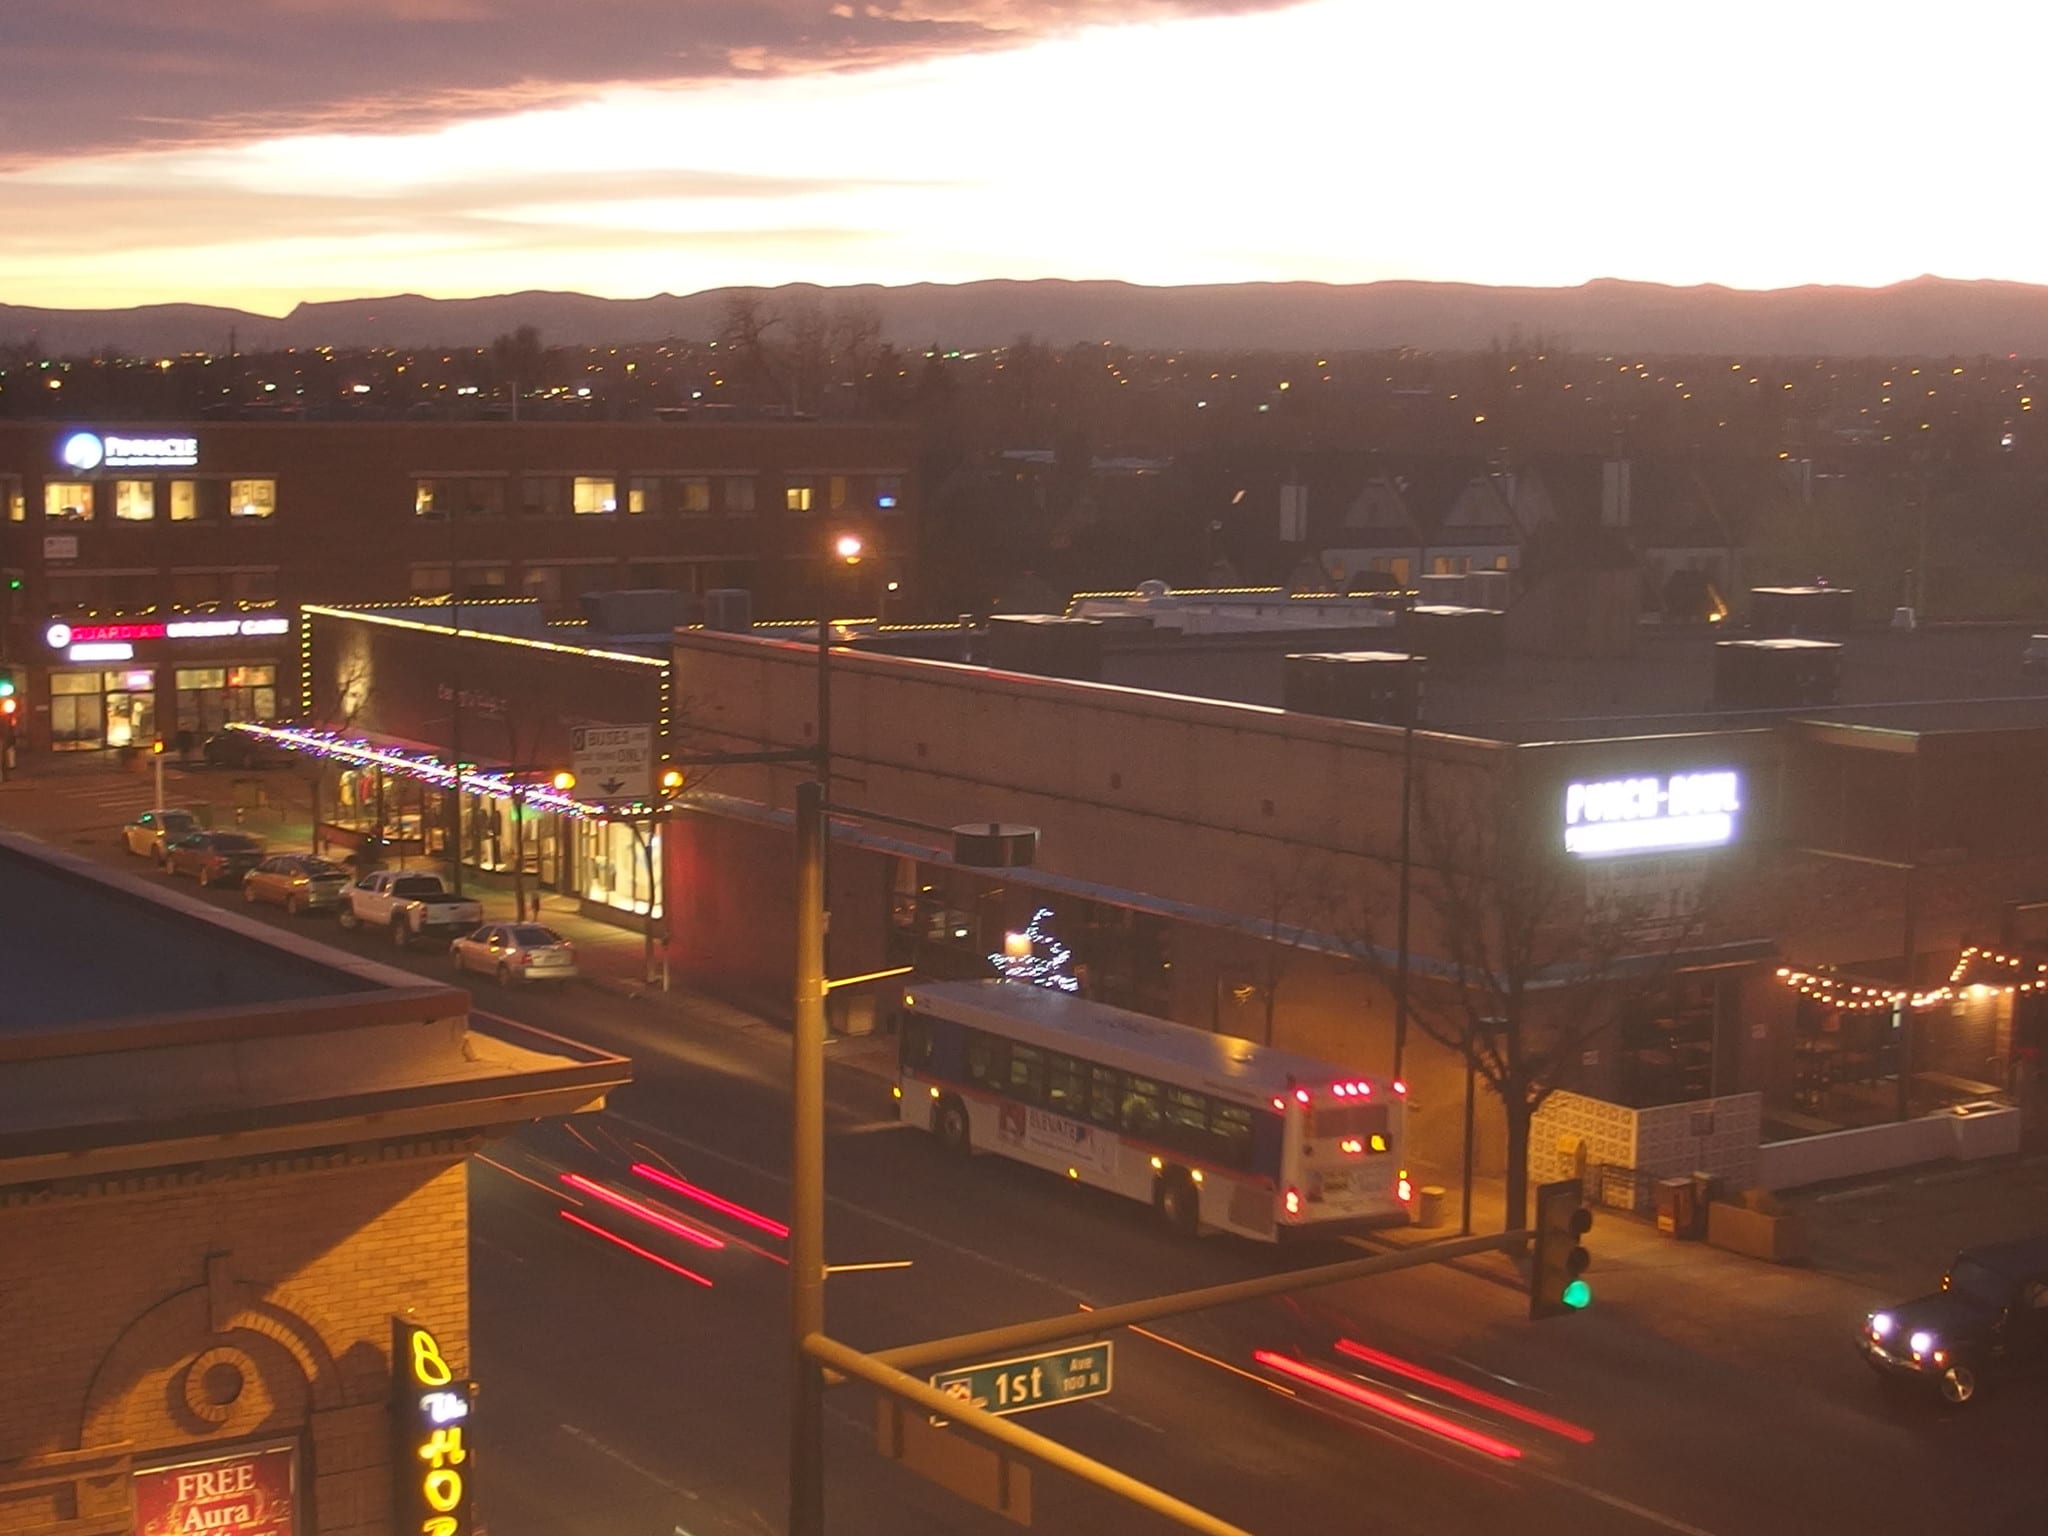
[543,495]
[593,497]
[68,594]
[429,581]
[543,582]
[10,493]
[442,496]
[481,581]
[134,501]
[184,501]
[739,494]
[68,501]
[797,497]
[253,586]
[888,492]
[252,498]
[693,496]
[189,587]
[835,493]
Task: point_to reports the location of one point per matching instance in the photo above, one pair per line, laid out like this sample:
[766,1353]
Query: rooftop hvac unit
[1776,674]
[1442,590]
[1454,636]
[1044,645]
[1487,589]
[729,610]
[1799,611]
[1381,687]
[635,611]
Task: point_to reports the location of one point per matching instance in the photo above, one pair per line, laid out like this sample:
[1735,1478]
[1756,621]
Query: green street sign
[1031,1381]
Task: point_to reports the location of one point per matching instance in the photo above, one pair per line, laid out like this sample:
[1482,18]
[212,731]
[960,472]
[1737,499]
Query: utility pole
[807,1170]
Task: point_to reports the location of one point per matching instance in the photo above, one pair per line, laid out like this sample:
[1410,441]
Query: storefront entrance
[91,711]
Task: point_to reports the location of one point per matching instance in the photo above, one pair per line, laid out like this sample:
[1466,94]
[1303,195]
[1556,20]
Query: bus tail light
[1399,1086]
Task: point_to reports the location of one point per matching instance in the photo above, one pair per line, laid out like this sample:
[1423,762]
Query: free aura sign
[84,452]
[1651,813]
[431,1446]
[242,1490]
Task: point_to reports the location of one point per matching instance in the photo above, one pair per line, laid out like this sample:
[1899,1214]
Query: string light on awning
[2014,975]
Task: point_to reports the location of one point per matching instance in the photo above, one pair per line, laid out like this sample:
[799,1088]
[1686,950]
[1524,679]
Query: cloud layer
[112,76]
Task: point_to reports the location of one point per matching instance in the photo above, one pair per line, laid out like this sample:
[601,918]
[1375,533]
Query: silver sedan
[516,953]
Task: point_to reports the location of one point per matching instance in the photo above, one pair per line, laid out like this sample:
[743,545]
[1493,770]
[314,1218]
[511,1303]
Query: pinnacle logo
[82,451]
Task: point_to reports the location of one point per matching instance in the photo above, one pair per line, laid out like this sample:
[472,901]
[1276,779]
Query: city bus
[1215,1133]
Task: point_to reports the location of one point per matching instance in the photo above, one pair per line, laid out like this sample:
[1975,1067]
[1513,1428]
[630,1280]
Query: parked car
[239,749]
[216,858]
[148,833]
[409,907]
[516,953]
[298,882]
[1990,1317]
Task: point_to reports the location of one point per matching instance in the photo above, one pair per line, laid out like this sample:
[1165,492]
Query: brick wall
[202,1307]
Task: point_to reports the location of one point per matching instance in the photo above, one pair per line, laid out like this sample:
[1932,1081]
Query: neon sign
[88,451]
[430,1416]
[1649,814]
[59,635]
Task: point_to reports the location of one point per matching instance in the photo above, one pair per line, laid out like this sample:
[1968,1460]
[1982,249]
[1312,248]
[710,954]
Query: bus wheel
[952,1126]
[1179,1206]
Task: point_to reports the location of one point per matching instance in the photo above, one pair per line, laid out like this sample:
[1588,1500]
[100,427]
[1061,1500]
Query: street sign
[613,762]
[1031,1381]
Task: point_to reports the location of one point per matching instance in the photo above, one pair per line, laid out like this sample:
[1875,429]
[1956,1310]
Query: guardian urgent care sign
[238,1491]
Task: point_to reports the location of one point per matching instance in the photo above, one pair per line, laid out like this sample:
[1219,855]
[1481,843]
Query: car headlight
[1921,1342]
[1881,1325]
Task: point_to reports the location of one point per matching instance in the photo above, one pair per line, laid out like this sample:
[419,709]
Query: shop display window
[252,498]
[67,501]
[134,501]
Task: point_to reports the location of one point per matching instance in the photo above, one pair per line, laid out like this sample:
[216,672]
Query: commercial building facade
[152,573]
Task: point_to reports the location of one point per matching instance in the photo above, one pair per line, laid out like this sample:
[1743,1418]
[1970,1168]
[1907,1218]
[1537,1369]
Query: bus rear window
[1363,1121]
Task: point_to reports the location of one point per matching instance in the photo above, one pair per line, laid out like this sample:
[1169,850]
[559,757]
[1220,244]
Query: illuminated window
[252,498]
[594,497]
[739,495]
[17,504]
[134,501]
[184,501]
[676,495]
[797,498]
[68,501]
[443,496]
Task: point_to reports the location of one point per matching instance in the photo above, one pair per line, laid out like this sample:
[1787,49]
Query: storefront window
[75,723]
[613,862]
[68,501]
[209,697]
[252,498]
[184,501]
[134,501]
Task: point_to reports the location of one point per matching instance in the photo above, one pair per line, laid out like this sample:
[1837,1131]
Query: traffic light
[1556,1283]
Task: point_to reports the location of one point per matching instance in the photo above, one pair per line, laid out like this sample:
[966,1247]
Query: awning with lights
[1978,972]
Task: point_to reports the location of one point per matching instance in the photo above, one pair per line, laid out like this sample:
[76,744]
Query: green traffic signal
[6,687]
[1577,1294]
[1560,1260]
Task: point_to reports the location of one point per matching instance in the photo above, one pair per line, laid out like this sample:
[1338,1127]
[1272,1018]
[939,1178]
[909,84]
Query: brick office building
[152,573]
[229,1235]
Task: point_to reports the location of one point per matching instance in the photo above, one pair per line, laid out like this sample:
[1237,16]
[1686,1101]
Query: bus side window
[1102,1096]
[1187,1121]
[987,1059]
[1141,1106]
[914,1042]
[1065,1085]
[1230,1125]
[1027,1074]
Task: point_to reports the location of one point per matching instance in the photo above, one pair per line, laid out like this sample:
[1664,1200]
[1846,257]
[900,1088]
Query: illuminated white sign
[59,634]
[101,650]
[88,451]
[1643,815]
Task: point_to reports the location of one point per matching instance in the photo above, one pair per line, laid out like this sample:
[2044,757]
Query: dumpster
[1677,1210]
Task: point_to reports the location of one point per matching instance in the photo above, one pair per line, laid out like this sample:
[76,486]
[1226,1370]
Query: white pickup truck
[409,906]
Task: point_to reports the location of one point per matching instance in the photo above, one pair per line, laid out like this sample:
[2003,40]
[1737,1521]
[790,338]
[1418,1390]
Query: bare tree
[1292,893]
[1530,971]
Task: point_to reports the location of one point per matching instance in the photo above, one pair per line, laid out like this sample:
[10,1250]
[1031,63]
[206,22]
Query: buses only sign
[613,762]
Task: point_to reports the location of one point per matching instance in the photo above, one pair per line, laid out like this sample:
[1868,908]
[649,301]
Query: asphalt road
[633,1379]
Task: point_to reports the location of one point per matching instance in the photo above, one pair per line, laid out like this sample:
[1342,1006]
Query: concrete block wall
[136,1306]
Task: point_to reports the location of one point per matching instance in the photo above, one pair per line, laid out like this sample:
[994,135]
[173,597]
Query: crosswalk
[85,803]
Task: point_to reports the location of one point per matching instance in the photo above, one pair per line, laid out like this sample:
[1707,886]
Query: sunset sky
[257,153]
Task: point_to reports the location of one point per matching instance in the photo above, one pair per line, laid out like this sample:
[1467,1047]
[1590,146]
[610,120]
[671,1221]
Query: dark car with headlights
[1990,1317]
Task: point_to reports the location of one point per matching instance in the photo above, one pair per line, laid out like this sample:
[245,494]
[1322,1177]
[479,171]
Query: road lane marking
[1615,1501]
[1007,1266]
[597,1445]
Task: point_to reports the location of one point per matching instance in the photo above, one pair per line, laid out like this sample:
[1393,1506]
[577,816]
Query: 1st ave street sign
[1032,1381]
